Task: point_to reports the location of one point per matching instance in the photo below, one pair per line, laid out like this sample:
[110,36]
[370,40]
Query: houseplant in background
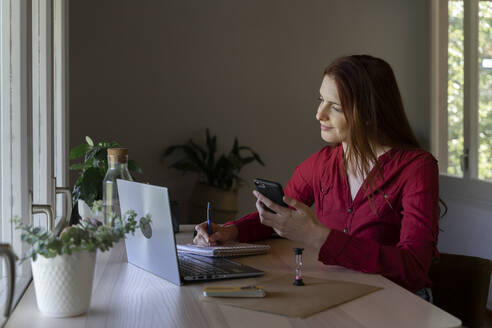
[63,266]
[93,168]
[219,178]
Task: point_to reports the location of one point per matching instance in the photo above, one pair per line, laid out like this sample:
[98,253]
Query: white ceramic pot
[63,284]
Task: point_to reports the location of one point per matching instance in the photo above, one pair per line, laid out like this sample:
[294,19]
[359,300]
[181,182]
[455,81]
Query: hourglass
[298,253]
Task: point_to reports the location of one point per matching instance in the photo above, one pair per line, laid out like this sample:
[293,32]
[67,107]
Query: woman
[375,190]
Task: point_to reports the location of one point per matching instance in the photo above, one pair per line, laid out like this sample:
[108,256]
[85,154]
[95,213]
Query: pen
[209,224]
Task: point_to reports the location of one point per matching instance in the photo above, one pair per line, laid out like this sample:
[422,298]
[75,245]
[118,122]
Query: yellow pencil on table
[234,291]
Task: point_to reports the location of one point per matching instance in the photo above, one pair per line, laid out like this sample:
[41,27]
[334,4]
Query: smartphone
[272,190]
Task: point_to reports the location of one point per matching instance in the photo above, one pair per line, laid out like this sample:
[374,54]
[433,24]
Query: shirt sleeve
[408,262]
[299,187]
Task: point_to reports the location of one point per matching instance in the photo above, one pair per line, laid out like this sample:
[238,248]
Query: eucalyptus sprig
[89,235]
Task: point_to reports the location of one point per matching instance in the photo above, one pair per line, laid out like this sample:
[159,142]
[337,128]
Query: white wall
[150,74]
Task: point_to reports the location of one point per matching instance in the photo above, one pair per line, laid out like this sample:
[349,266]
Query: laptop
[153,247]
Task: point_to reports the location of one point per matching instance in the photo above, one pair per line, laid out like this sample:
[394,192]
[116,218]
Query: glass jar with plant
[93,168]
[219,177]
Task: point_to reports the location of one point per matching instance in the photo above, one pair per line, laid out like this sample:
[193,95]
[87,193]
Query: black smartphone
[272,190]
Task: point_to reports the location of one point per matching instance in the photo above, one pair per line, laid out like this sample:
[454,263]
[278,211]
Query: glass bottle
[117,169]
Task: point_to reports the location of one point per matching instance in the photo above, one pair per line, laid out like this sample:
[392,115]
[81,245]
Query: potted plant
[93,168]
[219,178]
[63,266]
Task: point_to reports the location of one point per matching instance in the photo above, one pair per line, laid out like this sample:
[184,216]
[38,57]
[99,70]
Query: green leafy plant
[93,167]
[221,173]
[89,235]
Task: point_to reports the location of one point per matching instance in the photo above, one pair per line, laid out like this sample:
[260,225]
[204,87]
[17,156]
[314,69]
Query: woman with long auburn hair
[376,192]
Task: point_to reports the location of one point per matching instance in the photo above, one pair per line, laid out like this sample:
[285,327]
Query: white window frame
[50,119]
[16,130]
[61,113]
[467,188]
[42,106]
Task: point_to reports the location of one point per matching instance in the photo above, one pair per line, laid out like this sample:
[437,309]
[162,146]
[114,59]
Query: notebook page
[227,249]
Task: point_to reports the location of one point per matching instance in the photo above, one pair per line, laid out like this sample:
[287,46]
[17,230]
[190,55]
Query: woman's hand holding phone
[271,190]
[219,234]
[293,224]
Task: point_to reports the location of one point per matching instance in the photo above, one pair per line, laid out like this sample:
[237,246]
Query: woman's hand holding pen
[296,224]
[219,234]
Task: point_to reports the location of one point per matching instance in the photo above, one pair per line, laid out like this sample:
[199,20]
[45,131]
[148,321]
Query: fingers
[202,237]
[294,203]
[217,236]
[280,233]
[215,227]
[267,218]
[202,228]
[270,204]
[200,240]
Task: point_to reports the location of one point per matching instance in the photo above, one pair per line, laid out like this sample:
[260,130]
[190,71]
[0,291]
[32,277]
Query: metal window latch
[41,209]
[49,210]
[464,160]
[11,258]
[68,201]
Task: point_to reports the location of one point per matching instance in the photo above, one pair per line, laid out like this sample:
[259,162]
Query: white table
[126,296]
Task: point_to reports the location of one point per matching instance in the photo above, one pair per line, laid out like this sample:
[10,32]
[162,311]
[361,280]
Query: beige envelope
[282,297]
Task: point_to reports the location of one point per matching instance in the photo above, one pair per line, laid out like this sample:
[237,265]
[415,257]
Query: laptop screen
[154,250]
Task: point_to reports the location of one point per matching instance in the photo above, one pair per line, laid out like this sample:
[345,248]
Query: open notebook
[226,249]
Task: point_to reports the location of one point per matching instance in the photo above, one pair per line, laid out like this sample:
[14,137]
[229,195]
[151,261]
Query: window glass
[456,64]
[485,90]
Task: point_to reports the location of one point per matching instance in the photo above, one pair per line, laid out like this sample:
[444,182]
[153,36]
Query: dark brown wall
[150,74]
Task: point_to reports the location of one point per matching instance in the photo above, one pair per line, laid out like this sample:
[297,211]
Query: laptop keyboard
[191,266]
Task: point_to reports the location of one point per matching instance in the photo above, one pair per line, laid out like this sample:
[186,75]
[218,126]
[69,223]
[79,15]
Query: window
[455,88]
[462,96]
[32,118]
[485,90]
[16,166]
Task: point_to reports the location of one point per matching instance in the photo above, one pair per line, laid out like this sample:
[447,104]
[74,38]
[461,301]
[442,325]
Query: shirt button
[345,230]
[349,210]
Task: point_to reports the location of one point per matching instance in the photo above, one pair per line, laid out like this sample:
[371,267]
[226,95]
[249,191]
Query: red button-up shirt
[392,233]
